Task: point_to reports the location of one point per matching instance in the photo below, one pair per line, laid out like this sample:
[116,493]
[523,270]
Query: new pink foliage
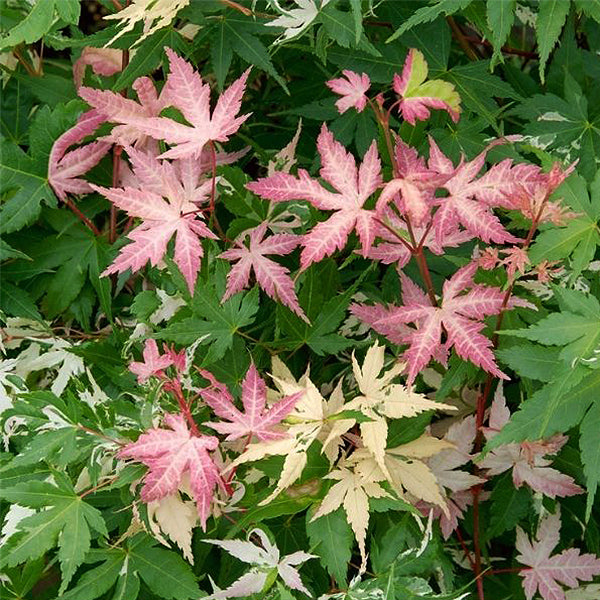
[414,187]
[186,91]
[548,572]
[418,96]
[256,420]
[273,278]
[352,89]
[167,201]
[64,167]
[170,454]
[470,200]
[527,459]
[354,187]
[459,315]
[153,363]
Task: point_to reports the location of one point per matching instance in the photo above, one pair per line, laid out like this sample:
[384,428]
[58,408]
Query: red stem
[87,222]
[173,385]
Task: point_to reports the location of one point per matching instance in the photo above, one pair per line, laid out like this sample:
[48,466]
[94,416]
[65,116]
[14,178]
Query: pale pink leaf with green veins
[126,111]
[547,573]
[460,315]
[352,89]
[65,167]
[272,277]
[153,362]
[354,187]
[170,454]
[417,95]
[527,459]
[186,91]
[167,207]
[256,420]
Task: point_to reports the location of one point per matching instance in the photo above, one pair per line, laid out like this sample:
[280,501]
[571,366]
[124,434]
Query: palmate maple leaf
[171,453]
[65,167]
[264,559]
[548,572]
[354,186]
[352,90]
[128,112]
[459,315]
[352,490]
[380,398]
[470,200]
[163,203]
[186,91]
[272,277]
[312,419]
[417,96]
[256,420]
[527,459]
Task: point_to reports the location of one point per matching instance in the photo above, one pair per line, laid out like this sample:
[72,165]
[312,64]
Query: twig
[87,222]
[461,39]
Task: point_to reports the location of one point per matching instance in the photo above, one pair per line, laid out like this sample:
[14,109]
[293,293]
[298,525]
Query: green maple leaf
[67,520]
[576,327]
[564,125]
[23,176]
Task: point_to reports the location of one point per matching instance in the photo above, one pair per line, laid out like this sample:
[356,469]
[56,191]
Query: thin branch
[87,222]
[461,39]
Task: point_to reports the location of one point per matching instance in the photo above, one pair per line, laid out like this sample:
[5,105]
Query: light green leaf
[531,360]
[17,302]
[551,17]
[33,26]
[555,408]
[220,53]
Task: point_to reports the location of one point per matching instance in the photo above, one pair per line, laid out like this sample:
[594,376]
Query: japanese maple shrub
[298,383]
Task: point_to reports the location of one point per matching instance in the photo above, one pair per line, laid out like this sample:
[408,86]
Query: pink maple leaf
[104,61]
[172,453]
[413,189]
[64,167]
[153,363]
[354,187]
[273,278]
[352,89]
[186,91]
[459,315]
[126,111]
[417,95]
[548,572]
[470,200]
[527,459]
[256,420]
[167,207]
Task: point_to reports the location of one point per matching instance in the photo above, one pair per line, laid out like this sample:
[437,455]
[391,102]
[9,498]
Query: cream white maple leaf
[528,459]
[547,572]
[312,419]
[406,470]
[65,167]
[381,398]
[354,187]
[296,20]
[265,559]
[172,453]
[355,485]
[186,91]
[155,14]
[256,420]
[176,518]
[167,208]
[272,277]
